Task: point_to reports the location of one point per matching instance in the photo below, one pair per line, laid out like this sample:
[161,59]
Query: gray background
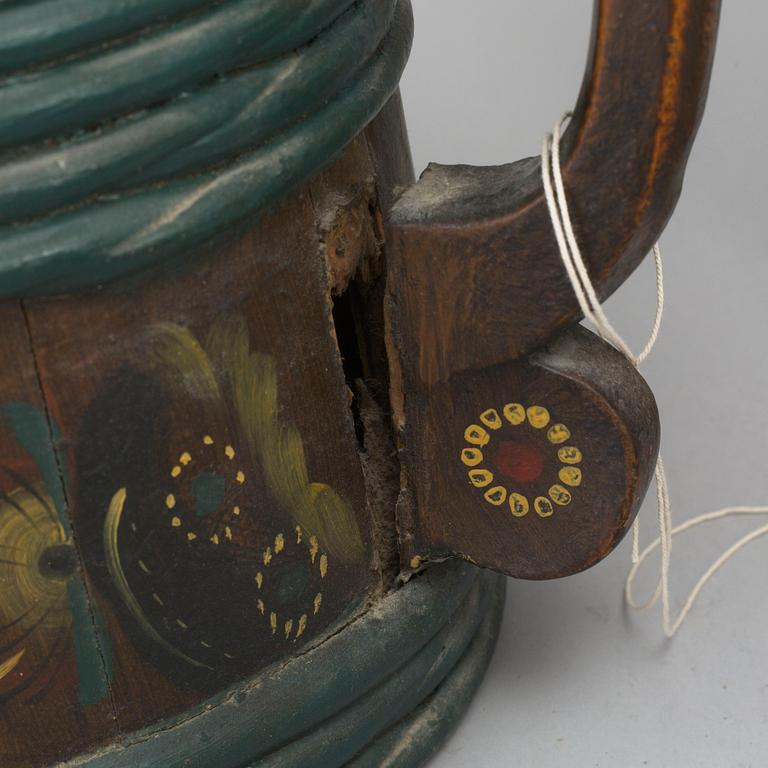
[577,680]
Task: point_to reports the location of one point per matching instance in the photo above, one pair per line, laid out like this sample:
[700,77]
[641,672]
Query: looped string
[557,204]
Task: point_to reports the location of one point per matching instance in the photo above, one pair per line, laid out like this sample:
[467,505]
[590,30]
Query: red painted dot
[518,461]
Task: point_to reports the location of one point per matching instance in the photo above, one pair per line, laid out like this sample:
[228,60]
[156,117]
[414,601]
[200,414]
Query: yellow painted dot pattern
[293,627]
[479,436]
[287,627]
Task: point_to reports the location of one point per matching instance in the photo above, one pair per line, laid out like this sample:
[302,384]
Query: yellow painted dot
[302,625]
[279,543]
[514,413]
[491,418]
[569,454]
[313,547]
[176,471]
[260,606]
[570,476]
[208,440]
[182,624]
[558,433]
[259,579]
[543,506]
[560,495]
[496,495]
[191,536]
[538,416]
[228,532]
[323,565]
[267,555]
[229,452]
[298,534]
[518,504]
[215,538]
[175,521]
[205,645]
[170,501]
[480,477]
[288,627]
[476,435]
[184,459]
[235,511]
[240,476]
[273,622]
[157,599]
[318,601]
[471,457]
[415,561]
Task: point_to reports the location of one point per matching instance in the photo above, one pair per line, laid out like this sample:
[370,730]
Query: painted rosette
[518,456]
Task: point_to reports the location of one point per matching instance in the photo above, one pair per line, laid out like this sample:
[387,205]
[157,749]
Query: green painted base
[417,737]
[386,690]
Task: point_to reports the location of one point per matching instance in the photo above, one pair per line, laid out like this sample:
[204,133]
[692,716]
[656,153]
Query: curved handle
[484,381]
[474,269]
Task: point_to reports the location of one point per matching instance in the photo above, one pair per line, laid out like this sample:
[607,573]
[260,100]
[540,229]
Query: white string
[557,204]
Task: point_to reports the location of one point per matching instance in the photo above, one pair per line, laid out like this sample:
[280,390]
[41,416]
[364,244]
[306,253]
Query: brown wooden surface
[473,261]
[479,453]
[241,362]
[475,281]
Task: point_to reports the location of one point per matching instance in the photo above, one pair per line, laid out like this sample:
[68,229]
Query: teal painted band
[198,130]
[41,31]
[114,238]
[413,740]
[157,66]
[340,738]
[353,686]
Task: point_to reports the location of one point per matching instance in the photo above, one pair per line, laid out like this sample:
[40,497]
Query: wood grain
[476,289]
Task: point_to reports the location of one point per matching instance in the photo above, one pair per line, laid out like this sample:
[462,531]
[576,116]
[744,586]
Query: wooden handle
[475,270]
[476,281]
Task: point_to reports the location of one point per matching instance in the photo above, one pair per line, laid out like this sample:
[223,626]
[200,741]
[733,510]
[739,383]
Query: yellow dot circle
[471,457]
[491,418]
[518,504]
[558,433]
[570,476]
[560,495]
[569,454]
[514,413]
[480,477]
[538,416]
[476,435]
[496,495]
[543,506]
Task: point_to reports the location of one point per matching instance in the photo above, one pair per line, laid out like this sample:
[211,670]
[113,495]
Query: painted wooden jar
[264,401]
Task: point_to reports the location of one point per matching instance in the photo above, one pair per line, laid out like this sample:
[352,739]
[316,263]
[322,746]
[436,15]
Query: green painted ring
[156,66]
[331,704]
[112,238]
[415,738]
[41,31]
[198,130]
[470,637]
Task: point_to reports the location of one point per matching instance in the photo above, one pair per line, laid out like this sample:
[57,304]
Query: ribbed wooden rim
[163,182]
